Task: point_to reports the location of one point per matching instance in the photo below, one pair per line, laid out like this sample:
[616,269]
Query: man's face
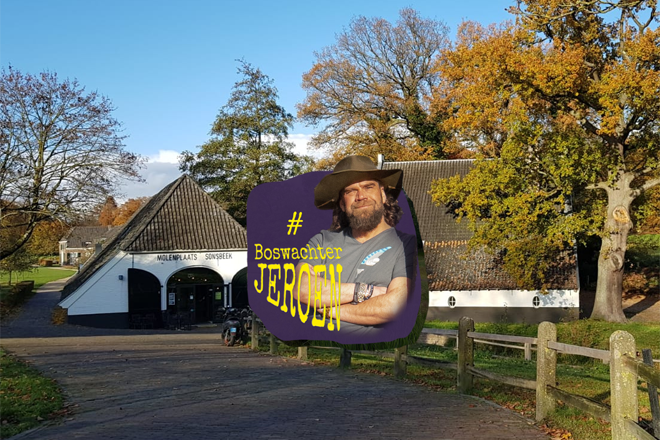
[363,204]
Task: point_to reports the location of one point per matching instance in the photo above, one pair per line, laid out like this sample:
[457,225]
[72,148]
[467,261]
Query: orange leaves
[556,433]
[494,78]
[126,211]
[560,69]
[631,86]
[112,215]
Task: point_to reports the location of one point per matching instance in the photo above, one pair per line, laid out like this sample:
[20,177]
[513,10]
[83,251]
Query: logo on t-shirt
[372,258]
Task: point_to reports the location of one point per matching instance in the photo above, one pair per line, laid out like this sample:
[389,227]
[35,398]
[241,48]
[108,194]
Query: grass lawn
[26,397]
[575,374]
[40,276]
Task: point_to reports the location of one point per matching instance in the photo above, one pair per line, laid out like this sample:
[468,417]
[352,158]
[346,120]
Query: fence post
[302,353]
[273,344]
[465,355]
[528,351]
[400,366]
[345,358]
[623,384]
[653,395]
[546,369]
[255,333]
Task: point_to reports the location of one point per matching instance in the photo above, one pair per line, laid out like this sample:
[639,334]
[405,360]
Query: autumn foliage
[369,92]
[113,215]
[563,102]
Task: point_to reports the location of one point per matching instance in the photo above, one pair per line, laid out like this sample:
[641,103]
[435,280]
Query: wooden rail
[594,353]
[507,380]
[625,371]
[585,404]
[503,338]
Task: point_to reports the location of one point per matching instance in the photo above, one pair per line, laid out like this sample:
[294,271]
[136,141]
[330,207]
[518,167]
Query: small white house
[181,258]
[81,242]
[473,283]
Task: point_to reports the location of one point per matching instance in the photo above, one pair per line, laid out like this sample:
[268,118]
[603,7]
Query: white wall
[505,298]
[104,292]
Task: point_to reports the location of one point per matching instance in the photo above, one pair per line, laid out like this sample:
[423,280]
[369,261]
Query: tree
[45,239]
[19,262]
[371,89]
[248,145]
[564,103]
[127,209]
[647,215]
[108,212]
[61,150]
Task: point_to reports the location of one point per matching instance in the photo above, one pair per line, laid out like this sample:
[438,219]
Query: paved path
[132,384]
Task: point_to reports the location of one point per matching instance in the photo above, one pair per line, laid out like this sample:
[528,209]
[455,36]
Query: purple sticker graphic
[289,241]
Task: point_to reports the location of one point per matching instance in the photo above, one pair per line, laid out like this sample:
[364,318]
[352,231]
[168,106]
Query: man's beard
[368,220]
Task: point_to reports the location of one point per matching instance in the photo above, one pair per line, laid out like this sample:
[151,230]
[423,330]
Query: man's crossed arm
[384,305]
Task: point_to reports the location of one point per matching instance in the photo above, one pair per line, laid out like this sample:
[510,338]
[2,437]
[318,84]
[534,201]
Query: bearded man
[378,261]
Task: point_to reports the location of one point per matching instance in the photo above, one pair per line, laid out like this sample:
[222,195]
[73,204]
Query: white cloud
[163,168]
[301,141]
[165,156]
[158,172]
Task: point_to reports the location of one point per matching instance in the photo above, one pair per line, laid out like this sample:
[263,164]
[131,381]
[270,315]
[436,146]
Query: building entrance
[193,296]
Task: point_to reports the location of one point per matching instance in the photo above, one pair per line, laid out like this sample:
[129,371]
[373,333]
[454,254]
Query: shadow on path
[133,384]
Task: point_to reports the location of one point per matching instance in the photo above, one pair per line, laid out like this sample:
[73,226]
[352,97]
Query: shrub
[19,293]
[635,283]
[59,316]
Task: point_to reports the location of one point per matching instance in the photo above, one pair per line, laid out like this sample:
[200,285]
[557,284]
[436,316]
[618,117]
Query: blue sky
[169,66]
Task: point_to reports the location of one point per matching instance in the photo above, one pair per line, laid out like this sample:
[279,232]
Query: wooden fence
[625,371]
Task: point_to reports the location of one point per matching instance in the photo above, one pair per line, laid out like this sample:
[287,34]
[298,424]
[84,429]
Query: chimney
[381,159]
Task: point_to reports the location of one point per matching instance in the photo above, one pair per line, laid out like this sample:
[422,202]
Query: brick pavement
[187,385]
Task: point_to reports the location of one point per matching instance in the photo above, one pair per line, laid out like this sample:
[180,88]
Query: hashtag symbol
[295,223]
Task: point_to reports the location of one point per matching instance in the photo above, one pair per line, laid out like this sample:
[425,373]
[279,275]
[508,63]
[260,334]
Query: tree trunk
[609,289]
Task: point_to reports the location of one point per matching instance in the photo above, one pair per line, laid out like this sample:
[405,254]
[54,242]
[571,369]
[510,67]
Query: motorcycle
[232,327]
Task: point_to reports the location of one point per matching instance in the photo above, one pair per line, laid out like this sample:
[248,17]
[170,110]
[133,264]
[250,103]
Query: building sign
[219,256]
[212,256]
[176,257]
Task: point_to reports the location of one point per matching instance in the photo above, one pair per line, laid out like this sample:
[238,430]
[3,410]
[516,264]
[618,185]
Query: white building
[81,242]
[180,259]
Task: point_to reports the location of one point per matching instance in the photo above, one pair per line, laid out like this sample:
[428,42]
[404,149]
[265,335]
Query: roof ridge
[215,203]
[156,209]
[431,161]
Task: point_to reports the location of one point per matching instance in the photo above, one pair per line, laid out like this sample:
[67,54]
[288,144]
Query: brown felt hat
[350,170]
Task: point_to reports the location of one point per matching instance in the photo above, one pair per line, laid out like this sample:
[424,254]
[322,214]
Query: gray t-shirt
[390,254]
[377,261]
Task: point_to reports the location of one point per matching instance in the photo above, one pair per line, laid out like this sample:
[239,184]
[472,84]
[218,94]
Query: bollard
[273,344]
[400,365]
[255,333]
[302,353]
[345,358]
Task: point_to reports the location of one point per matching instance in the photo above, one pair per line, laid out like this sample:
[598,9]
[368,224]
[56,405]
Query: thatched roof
[181,217]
